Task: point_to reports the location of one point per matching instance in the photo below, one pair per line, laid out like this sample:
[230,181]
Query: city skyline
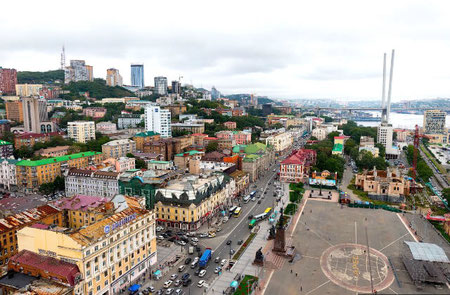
[303,52]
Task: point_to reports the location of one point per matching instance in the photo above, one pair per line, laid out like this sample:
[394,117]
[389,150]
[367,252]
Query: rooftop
[26,217]
[2,142]
[82,203]
[94,174]
[146,134]
[56,159]
[67,270]
[37,135]
[118,142]
[189,153]
[338,147]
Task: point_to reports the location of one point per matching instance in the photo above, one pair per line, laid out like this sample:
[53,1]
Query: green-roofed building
[6,149]
[257,157]
[239,148]
[182,160]
[32,174]
[338,148]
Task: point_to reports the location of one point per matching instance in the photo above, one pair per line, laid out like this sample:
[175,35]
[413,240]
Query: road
[439,180]
[235,229]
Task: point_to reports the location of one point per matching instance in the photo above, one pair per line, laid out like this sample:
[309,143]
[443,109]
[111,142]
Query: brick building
[8,81]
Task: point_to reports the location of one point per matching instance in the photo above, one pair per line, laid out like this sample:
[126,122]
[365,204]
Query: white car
[202,273]
[174,276]
[196,259]
[182,243]
[168,283]
[223,262]
[201,283]
[218,269]
[203,235]
[160,238]
[169,291]
[194,240]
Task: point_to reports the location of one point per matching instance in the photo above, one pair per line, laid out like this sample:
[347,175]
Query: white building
[280,141]
[8,173]
[106,127]
[91,183]
[159,165]
[129,121]
[161,85]
[319,133]
[81,131]
[385,134]
[158,120]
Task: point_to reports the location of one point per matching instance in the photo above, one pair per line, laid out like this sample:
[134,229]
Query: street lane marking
[392,242]
[318,287]
[407,228]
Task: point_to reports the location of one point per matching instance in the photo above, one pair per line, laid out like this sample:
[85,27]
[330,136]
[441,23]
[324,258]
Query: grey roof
[427,252]
[17,280]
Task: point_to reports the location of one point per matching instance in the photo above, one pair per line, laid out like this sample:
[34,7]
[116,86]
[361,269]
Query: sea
[400,120]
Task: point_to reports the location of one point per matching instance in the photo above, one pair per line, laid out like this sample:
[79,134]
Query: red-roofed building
[45,267]
[296,167]
[230,125]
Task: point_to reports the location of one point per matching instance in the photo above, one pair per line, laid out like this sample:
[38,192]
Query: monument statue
[272,232]
[259,257]
[280,240]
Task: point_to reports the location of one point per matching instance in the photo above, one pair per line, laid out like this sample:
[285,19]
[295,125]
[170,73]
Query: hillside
[97,89]
[48,77]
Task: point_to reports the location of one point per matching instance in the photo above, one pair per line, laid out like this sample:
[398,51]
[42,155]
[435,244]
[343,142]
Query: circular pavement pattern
[347,265]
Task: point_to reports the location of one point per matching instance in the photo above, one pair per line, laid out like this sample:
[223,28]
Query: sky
[281,49]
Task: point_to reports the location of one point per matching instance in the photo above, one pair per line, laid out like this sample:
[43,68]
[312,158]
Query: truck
[191,250]
[205,258]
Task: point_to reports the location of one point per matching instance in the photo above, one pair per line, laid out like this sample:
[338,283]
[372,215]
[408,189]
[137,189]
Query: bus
[252,224]
[268,211]
[237,212]
[260,216]
[232,209]
[247,199]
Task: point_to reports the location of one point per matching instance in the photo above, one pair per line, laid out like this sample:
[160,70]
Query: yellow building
[28,89]
[193,200]
[31,174]
[111,254]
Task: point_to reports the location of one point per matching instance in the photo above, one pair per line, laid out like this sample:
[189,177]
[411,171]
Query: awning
[134,288]
[234,284]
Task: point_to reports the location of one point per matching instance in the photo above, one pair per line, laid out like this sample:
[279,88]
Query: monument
[271,233]
[259,258]
[279,246]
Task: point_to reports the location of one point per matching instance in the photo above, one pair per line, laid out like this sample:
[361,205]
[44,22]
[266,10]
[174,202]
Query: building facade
[23,90]
[296,167]
[56,151]
[81,131]
[32,174]
[434,121]
[158,120]
[192,201]
[30,139]
[137,75]
[8,81]
[8,178]
[94,112]
[78,71]
[280,142]
[127,121]
[118,148]
[6,149]
[35,116]
[189,127]
[111,254]
[145,137]
[14,111]
[106,127]
[113,77]
[161,85]
[91,183]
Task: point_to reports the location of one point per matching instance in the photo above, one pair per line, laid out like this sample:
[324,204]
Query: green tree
[446,194]
[140,164]
[97,89]
[212,146]
[331,135]
[51,187]
[349,145]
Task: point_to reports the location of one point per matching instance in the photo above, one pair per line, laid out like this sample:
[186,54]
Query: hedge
[291,208]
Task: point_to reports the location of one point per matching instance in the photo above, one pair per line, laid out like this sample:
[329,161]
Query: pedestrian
[291,270]
[301,289]
[296,274]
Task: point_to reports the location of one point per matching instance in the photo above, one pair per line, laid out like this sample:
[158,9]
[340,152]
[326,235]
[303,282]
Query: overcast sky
[282,49]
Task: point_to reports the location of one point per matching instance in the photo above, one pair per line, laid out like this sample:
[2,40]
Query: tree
[140,164]
[212,146]
[331,135]
[349,145]
[446,194]
[277,126]
[24,152]
[97,89]
[51,187]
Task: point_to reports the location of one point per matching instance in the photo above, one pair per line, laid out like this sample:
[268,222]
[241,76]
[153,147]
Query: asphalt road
[235,229]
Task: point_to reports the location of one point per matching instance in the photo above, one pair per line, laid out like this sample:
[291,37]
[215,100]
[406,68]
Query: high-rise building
[81,131]
[78,71]
[34,114]
[137,75]
[385,135]
[14,111]
[176,87]
[158,120]
[113,78]
[215,94]
[161,85]
[434,121]
[8,81]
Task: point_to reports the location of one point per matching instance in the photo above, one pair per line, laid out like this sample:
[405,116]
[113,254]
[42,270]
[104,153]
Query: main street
[235,229]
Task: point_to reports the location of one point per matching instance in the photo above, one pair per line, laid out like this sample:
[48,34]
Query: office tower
[14,111]
[384,135]
[35,113]
[215,94]
[176,87]
[137,75]
[81,131]
[8,81]
[113,78]
[158,120]
[161,85]
[434,121]
[78,71]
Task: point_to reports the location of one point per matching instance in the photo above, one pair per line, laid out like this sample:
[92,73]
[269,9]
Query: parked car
[187,282]
[169,291]
[174,276]
[231,251]
[181,268]
[240,242]
[217,260]
[202,273]
[201,283]
[185,276]
[194,240]
[179,292]
[167,283]
[203,235]
[223,262]
[218,269]
[229,242]
[187,260]
[177,283]
[160,238]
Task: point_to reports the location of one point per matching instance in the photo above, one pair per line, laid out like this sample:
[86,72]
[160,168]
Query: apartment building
[189,202]
[110,254]
[118,148]
[94,112]
[238,137]
[23,90]
[434,121]
[8,178]
[6,149]
[106,127]
[56,151]
[127,121]
[14,111]
[113,77]
[296,167]
[32,174]
[8,81]
[30,139]
[158,120]
[81,131]
[280,142]
[78,71]
[91,183]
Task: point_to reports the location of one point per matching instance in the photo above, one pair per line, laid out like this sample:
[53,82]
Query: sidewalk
[245,263]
